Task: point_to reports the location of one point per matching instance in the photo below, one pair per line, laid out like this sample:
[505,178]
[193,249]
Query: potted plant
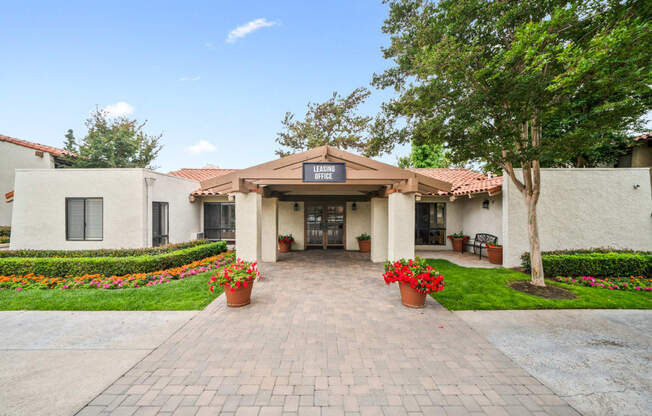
[238,280]
[364,242]
[415,278]
[495,253]
[458,240]
[285,243]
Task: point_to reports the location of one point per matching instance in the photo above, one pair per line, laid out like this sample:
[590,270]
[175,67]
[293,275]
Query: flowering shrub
[633,283]
[494,245]
[98,281]
[236,274]
[285,239]
[458,235]
[414,273]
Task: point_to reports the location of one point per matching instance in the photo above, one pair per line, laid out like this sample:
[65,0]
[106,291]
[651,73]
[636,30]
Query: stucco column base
[378,230]
[248,226]
[270,230]
[400,226]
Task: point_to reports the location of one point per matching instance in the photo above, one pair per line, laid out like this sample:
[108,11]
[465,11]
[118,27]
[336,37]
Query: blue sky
[175,64]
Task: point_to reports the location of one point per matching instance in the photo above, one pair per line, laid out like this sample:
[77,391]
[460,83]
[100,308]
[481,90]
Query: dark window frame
[219,230]
[161,239]
[428,228]
[84,198]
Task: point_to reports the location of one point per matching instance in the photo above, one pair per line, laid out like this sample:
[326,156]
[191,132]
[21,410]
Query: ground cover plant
[184,293]
[476,288]
[107,266]
[634,283]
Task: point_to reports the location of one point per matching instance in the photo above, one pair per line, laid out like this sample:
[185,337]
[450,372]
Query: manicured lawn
[471,288]
[187,294]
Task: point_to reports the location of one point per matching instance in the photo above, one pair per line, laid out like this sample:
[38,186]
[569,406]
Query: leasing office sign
[324,172]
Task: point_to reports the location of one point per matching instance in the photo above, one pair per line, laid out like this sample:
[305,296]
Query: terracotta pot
[458,243]
[495,254]
[411,298]
[240,297]
[365,245]
[284,247]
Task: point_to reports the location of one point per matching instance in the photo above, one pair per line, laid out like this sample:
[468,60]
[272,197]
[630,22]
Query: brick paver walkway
[324,336]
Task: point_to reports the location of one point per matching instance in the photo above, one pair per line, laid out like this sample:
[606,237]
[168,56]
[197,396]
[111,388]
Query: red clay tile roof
[644,136]
[464,181]
[201,174]
[55,151]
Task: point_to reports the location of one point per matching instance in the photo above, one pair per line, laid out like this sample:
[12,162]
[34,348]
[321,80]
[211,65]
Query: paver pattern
[324,336]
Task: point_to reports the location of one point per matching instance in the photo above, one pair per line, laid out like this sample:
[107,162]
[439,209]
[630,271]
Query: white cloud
[197,78]
[209,45]
[243,30]
[119,109]
[202,146]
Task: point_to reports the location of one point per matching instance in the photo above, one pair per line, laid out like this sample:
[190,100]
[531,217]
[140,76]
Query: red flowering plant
[414,273]
[237,274]
[494,245]
[285,239]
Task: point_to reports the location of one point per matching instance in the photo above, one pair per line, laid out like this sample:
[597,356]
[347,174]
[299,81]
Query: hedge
[108,266]
[596,263]
[5,231]
[120,252]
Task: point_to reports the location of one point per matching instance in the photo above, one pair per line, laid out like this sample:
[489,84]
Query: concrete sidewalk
[599,361]
[53,363]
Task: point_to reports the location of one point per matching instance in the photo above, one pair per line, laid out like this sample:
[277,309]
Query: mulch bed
[547,292]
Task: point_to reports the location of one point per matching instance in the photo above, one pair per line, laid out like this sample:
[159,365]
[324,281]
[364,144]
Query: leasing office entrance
[313,183]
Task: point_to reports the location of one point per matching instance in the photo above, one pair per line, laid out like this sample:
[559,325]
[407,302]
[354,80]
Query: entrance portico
[324,197]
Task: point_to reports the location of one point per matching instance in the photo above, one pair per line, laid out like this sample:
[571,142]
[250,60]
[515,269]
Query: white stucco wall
[269,229]
[292,222]
[581,208]
[400,226]
[248,226]
[14,157]
[476,219]
[39,207]
[357,222]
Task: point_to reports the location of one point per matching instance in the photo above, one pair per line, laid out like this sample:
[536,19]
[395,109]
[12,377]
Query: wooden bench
[480,241]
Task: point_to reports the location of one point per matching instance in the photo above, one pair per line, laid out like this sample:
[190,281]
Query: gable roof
[463,181]
[55,151]
[201,174]
[643,137]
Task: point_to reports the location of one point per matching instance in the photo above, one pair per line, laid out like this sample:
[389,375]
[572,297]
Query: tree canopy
[112,143]
[518,83]
[425,156]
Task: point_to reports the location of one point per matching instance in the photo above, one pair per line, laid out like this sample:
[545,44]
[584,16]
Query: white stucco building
[325,197]
[21,154]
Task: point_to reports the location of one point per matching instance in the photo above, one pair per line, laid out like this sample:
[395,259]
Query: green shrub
[4,239]
[108,266]
[5,231]
[120,252]
[596,263]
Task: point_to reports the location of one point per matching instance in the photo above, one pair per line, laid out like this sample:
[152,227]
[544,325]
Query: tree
[334,122]
[113,143]
[425,156]
[514,83]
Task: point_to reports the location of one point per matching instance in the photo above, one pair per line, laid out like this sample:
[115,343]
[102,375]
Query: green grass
[472,288]
[187,294]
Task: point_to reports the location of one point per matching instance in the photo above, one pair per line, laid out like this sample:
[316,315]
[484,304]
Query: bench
[480,241]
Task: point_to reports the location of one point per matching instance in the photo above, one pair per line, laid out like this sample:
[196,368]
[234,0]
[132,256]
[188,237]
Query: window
[430,227]
[160,223]
[84,219]
[219,220]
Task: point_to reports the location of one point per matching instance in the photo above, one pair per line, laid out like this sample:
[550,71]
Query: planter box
[458,243]
[284,247]
[495,254]
[364,245]
[411,297]
[239,297]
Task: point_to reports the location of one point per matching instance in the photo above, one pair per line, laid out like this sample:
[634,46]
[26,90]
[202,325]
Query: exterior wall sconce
[296,206]
[485,204]
[354,206]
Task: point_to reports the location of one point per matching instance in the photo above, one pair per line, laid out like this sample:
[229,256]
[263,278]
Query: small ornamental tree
[516,83]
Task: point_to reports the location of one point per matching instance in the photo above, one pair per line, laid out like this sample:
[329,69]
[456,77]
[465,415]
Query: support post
[248,225]
[400,226]
[378,230]
[270,230]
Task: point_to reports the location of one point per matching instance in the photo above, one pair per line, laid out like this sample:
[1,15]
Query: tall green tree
[113,143]
[426,156]
[335,122]
[516,82]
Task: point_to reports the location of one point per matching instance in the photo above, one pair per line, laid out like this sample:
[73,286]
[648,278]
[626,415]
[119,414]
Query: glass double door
[324,225]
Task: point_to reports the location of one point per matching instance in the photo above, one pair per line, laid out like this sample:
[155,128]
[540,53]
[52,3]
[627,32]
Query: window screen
[160,223]
[219,220]
[84,219]
[430,227]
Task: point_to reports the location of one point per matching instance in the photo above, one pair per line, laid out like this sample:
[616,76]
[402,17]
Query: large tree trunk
[530,188]
[536,263]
